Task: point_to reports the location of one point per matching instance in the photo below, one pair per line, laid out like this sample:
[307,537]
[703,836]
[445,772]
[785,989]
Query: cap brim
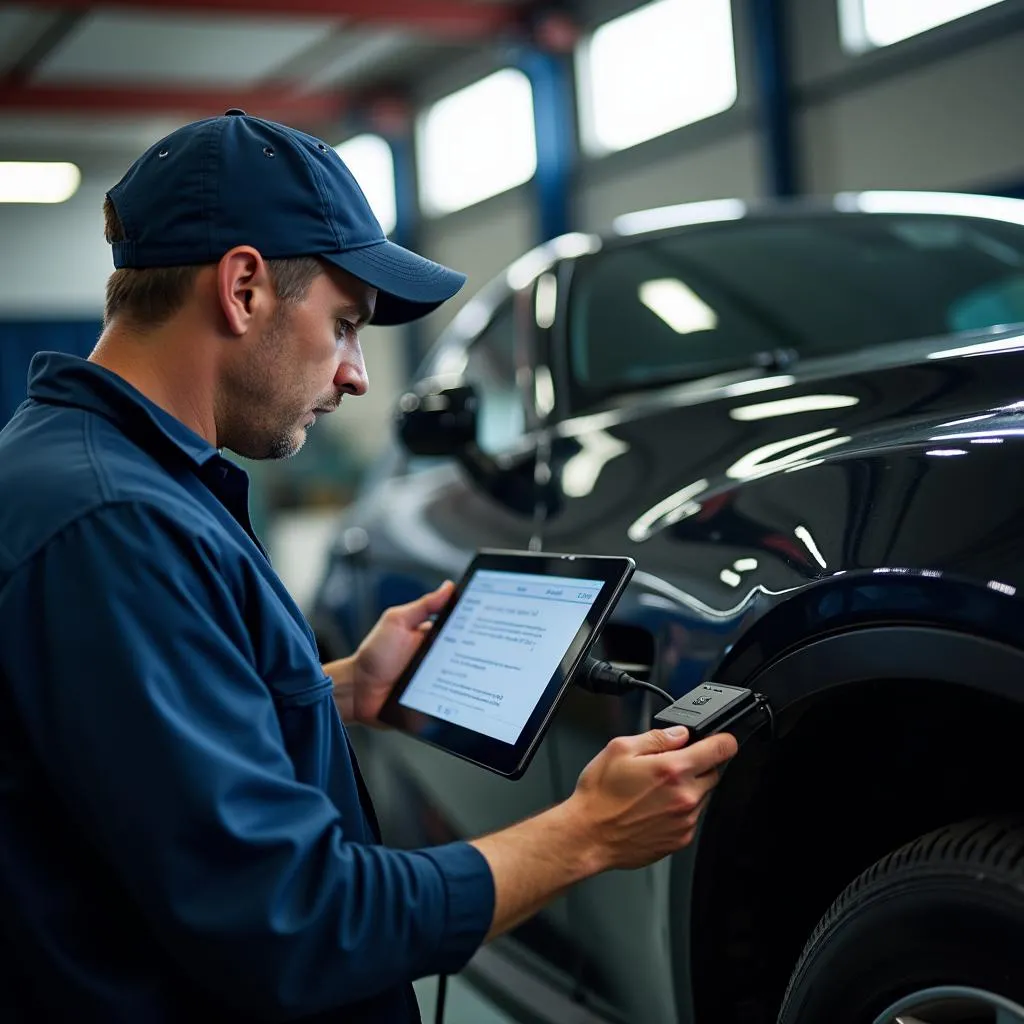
[408,285]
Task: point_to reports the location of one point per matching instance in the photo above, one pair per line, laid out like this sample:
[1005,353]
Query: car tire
[944,911]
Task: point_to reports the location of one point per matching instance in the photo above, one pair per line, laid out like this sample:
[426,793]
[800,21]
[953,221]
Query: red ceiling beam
[457,18]
[281,104]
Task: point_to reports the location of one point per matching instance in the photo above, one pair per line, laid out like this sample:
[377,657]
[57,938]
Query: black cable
[771,715]
[643,685]
[442,985]
[603,677]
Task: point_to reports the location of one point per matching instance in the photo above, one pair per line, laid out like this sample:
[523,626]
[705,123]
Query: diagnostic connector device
[714,707]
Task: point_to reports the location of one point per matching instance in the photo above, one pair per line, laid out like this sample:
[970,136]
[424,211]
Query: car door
[602,467]
[424,524]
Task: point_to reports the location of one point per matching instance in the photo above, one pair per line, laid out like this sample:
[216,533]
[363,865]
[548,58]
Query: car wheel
[931,934]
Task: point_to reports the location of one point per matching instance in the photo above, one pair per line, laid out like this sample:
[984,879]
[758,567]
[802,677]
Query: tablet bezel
[507,759]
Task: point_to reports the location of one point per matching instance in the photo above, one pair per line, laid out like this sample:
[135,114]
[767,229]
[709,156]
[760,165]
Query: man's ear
[244,288]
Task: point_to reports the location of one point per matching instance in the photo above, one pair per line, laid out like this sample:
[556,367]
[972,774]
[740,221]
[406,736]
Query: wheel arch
[884,732]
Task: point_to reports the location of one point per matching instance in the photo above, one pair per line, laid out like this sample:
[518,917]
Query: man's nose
[350,377]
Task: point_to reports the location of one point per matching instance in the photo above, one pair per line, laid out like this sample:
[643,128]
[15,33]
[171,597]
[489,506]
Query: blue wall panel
[20,340]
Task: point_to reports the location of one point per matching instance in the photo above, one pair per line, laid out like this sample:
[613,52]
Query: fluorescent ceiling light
[546,301]
[780,454]
[1002,588]
[22,182]
[788,406]
[982,348]
[528,267]
[750,387]
[681,215]
[678,305]
[804,534]
[671,509]
[581,471]
[951,204]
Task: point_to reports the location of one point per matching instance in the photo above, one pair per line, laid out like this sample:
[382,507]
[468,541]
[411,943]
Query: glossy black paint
[766,509]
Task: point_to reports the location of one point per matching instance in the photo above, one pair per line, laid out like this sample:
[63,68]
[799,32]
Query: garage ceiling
[96,82]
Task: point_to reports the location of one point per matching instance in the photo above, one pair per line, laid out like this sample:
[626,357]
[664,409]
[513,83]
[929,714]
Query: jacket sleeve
[143,705]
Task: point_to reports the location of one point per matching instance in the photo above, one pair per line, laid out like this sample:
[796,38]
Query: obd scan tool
[715,707]
[709,708]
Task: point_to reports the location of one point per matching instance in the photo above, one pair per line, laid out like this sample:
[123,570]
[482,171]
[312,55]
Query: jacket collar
[58,379]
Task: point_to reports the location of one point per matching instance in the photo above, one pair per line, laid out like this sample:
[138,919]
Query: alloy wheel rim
[952,1004]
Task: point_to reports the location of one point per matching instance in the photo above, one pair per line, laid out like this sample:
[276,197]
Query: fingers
[690,819]
[693,773]
[656,741]
[710,752]
[700,789]
[415,613]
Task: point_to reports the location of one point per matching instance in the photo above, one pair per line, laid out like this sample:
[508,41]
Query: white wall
[480,242]
[722,168]
[940,110]
[54,261]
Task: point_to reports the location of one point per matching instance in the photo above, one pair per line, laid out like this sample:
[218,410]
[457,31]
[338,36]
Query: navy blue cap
[240,180]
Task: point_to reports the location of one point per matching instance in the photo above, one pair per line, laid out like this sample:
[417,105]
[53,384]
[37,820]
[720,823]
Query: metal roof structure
[94,82]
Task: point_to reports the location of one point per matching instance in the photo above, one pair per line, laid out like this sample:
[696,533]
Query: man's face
[301,365]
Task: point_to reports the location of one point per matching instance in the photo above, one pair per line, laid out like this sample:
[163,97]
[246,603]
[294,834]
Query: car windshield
[721,297]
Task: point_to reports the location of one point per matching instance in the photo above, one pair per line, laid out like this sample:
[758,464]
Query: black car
[804,423]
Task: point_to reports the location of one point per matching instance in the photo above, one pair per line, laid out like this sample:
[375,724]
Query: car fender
[935,670]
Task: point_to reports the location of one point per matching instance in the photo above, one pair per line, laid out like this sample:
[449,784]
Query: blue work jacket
[184,833]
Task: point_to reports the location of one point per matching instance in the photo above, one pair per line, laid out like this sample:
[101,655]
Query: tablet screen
[486,682]
[494,656]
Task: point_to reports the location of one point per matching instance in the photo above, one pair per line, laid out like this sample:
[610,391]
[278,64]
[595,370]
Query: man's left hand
[388,648]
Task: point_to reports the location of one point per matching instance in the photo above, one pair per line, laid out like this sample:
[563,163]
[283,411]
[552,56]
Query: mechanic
[184,833]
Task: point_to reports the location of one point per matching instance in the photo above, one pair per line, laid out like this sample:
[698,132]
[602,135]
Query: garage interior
[480,129]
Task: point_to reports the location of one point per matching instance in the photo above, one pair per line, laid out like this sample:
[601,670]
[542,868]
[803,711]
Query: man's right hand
[637,801]
[641,797]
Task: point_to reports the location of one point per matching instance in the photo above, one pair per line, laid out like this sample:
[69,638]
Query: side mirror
[435,419]
[438,420]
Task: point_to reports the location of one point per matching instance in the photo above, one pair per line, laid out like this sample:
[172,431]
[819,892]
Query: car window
[490,366]
[715,298]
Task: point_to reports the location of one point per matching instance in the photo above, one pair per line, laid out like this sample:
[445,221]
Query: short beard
[273,442]
[284,446]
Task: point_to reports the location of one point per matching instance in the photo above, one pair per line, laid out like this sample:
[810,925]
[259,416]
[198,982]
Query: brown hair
[151,296]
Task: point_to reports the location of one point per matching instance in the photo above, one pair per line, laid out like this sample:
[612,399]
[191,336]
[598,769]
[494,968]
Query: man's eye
[342,328]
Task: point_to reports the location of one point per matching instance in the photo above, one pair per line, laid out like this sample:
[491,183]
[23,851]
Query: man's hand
[637,801]
[642,796]
[388,648]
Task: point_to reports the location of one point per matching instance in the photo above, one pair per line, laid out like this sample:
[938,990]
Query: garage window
[372,164]
[665,65]
[868,24]
[477,143]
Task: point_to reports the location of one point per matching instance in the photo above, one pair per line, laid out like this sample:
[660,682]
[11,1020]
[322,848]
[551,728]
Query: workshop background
[478,130]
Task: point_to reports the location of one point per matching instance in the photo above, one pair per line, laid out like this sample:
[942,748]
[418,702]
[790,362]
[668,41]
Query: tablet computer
[485,683]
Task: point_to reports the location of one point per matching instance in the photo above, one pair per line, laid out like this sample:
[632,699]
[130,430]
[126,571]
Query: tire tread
[989,846]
